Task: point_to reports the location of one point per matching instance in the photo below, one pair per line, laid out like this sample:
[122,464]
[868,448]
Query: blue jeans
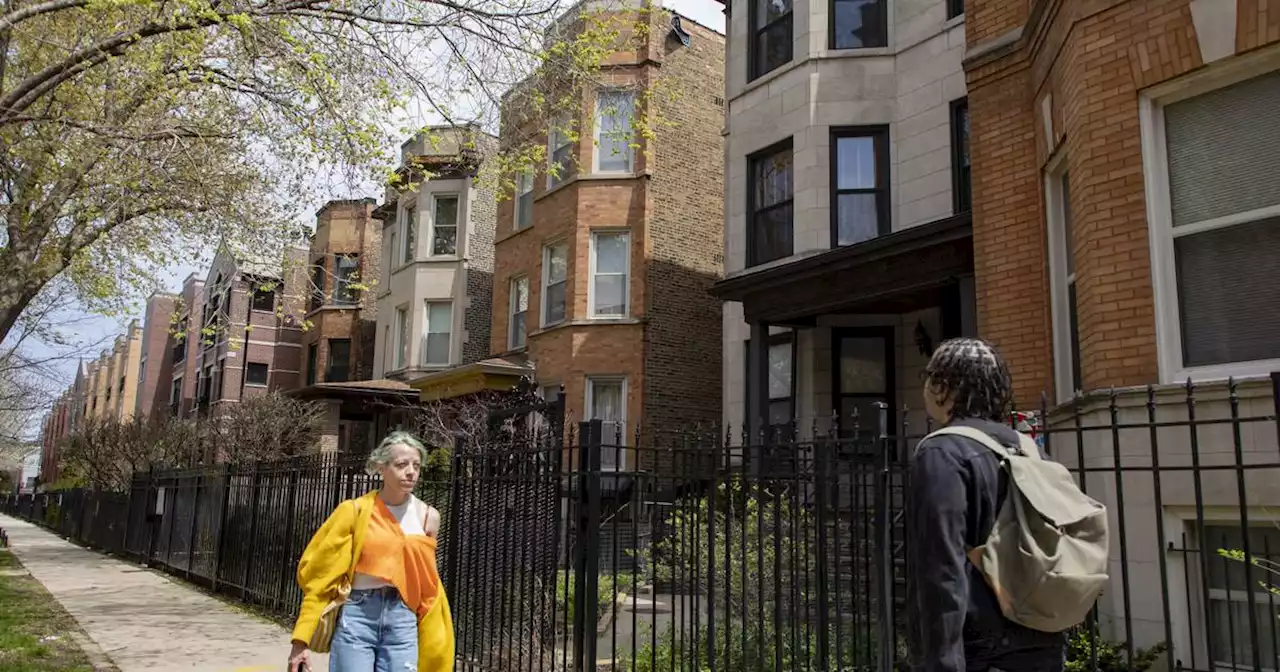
[376,632]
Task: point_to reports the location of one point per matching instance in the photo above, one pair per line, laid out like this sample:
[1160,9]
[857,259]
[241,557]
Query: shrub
[1081,648]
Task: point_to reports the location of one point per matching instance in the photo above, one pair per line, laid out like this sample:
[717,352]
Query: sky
[95,330]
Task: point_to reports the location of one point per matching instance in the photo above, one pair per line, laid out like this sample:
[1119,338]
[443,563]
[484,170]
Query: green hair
[381,455]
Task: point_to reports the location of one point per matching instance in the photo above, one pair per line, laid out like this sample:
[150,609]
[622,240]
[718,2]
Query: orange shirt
[407,562]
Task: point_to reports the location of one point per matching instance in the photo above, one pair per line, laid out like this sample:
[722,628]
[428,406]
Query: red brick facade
[1067,89]
[668,345]
[156,377]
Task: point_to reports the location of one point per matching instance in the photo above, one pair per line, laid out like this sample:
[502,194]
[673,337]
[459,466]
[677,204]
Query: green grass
[35,631]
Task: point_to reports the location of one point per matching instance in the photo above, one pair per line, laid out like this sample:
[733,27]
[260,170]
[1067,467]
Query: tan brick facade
[1063,94]
[343,228]
[671,204]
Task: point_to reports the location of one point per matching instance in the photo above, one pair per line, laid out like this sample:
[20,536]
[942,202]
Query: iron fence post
[222,522]
[586,578]
[195,524]
[295,476]
[253,529]
[455,504]
[884,540]
[820,471]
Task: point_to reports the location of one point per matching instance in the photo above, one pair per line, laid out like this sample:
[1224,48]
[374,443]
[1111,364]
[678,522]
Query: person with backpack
[1004,552]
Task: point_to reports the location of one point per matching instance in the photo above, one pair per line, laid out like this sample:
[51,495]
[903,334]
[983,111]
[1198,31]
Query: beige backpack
[1046,557]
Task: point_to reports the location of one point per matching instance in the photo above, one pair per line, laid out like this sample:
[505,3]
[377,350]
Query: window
[859,24]
[348,272]
[863,378]
[410,250]
[555,270]
[524,200]
[122,379]
[519,313]
[561,152]
[317,284]
[549,393]
[393,252]
[613,127]
[606,401]
[175,391]
[771,206]
[861,208]
[313,362]
[402,337]
[264,296]
[1227,613]
[1216,224]
[387,348]
[610,264]
[781,386]
[444,226]
[772,38]
[961,176]
[179,348]
[256,373]
[954,8]
[1062,274]
[435,339]
[339,370]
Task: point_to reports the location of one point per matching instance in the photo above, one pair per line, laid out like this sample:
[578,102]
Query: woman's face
[401,471]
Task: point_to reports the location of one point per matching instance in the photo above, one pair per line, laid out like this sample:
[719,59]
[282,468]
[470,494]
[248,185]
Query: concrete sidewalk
[143,620]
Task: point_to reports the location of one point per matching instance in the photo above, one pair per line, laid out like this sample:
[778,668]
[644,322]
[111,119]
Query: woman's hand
[299,658]
[432,528]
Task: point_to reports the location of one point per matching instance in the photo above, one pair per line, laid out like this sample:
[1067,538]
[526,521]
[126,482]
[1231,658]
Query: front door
[862,379]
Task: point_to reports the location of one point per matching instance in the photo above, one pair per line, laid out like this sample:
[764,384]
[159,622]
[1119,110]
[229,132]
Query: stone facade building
[603,267]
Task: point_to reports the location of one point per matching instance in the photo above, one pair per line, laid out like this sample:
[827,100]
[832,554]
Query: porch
[815,345]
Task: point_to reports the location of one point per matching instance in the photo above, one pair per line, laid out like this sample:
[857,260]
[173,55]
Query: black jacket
[955,491]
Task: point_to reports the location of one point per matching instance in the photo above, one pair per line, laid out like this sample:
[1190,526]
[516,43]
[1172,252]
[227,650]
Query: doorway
[863,361]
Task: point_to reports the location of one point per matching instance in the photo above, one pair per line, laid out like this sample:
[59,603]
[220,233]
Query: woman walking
[382,549]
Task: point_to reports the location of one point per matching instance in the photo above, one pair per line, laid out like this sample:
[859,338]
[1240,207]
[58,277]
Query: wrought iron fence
[578,548]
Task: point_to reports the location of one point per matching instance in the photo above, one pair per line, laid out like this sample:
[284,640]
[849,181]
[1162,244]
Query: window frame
[249,382]
[408,252]
[955,8]
[754,62]
[831,27]
[1067,376]
[883,190]
[313,362]
[343,294]
[554,132]
[597,118]
[257,291]
[1160,231]
[961,176]
[523,189]
[435,221]
[319,284]
[626,274]
[426,333]
[753,160]
[619,452]
[544,322]
[773,340]
[512,312]
[329,364]
[400,356]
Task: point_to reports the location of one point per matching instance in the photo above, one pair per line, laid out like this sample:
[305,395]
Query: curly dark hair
[974,376]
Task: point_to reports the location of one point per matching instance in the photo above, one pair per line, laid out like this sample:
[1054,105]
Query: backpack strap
[1027,445]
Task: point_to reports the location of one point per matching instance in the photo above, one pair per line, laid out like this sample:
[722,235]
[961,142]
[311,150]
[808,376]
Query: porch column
[757,411]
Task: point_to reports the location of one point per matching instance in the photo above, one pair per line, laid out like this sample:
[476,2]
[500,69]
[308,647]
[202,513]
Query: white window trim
[511,312]
[522,179]
[1155,164]
[596,119]
[543,323]
[552,132]
[399,332]
[426,325]
[608,441]
[404,254]
[457,242]
[1059,280]
[591,283]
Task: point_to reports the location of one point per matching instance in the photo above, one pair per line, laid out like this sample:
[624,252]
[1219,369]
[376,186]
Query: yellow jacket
[329,557]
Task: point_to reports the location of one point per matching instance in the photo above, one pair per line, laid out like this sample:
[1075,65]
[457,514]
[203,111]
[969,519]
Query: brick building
[602,268]
[1126,227]
[111,385]
[252,318]
[155,371]
[436,281]
[184,338]
[345,255]
[847,227]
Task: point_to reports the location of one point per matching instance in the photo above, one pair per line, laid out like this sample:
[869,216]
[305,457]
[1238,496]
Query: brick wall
[481,230]
[342,227]
[157,353]
[1086,65]
[685,234]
